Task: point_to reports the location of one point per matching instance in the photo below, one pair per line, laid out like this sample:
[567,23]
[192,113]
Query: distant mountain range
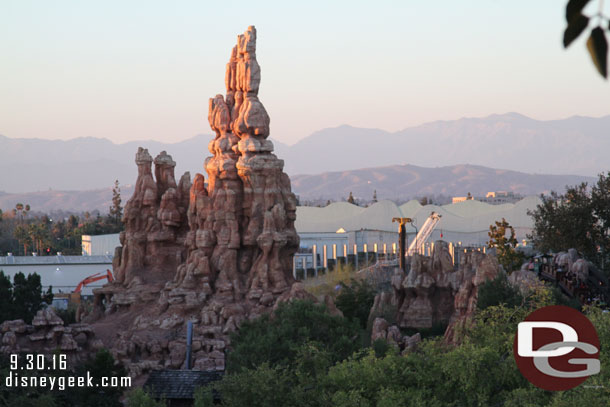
[400,182]
[397,182]
[577,145]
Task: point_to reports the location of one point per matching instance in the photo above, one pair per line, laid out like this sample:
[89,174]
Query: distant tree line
[24,231]
[23,297]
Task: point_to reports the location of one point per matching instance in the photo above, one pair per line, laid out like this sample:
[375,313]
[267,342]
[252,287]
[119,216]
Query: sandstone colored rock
[475,269]
[434,292]
[217,252]
[155,224]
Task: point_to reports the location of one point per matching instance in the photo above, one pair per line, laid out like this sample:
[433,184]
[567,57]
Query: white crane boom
[424,233]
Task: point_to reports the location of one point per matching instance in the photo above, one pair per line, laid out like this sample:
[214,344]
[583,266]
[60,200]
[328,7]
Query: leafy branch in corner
[579,22]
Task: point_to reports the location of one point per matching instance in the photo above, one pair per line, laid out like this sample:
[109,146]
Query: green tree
[102,365]
[22,235]
[39,236]
[139,398]
[600,204]
[6,297]
[28,296]
[355,300]
[505,245]
[578,219]
[498,291]
[116,211]
[276,339]
[350,199]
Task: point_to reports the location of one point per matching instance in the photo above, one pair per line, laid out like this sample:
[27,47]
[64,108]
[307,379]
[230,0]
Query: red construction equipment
[93,278]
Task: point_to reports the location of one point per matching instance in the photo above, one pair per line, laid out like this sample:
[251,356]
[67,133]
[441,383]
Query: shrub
[139,398]
[326,282]
[498,291]
[276,339]
[355,300]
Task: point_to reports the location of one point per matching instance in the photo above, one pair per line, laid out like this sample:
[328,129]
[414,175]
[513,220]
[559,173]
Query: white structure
[464,223]
[100,245]
[62,272]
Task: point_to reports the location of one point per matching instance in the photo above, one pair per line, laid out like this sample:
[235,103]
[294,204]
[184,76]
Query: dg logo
[556,348]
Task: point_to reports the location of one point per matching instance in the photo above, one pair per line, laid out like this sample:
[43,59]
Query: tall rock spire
[242,235]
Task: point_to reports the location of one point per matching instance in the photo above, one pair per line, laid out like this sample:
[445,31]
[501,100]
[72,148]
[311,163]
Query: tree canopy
[579,218]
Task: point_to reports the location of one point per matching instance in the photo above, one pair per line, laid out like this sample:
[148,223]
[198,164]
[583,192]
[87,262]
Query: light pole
[402,237]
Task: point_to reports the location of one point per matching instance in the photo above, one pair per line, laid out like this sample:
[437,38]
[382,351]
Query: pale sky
[141,70]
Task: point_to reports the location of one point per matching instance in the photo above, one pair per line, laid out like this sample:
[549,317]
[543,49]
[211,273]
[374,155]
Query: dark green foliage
[115,212]
[139,398]
[101,365]
[598,49]
[577,24]
[355,300]
[381,347]
[437,329]
[25,233]
[579,219]
[28,297]
[502,238]
[559,298]
[574,29]
[498,291]
[23,298]
[68,315]
[276,339]
[6,298]
[481,371]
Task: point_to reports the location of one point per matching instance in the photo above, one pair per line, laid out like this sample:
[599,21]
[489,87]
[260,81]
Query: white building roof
[468,216]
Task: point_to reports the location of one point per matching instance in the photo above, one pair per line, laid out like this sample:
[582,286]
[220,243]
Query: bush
[139,398]
[498,291]
[327,282]
[355,300]
[68,315]
[103,364]
[276,339]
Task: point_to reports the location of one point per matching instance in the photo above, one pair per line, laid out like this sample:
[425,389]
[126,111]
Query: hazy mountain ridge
[577,145]
[397,182]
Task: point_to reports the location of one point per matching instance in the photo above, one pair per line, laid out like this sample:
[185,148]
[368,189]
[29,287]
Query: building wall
[100,244]
[64,277]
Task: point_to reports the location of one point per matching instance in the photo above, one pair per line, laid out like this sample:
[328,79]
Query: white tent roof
[467,216]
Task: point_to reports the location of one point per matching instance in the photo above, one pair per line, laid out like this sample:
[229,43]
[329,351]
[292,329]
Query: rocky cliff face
[214,253]
[435,293]
[242,234]
[48,334]
[152,245]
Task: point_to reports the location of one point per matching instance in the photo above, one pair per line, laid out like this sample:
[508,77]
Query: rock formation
[214,253]
[152,245]
[48,334]
[434,292]
[381,329]
[475,269]
[242,235]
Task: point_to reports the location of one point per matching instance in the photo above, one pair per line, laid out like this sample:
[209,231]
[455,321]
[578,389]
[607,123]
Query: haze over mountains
[577,145]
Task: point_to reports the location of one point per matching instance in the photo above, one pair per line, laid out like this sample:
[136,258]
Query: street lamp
[402,237]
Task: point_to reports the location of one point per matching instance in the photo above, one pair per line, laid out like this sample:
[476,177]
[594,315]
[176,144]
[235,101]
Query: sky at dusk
[140,70]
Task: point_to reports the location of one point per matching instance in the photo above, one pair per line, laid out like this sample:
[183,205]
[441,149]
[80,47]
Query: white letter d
[526,338]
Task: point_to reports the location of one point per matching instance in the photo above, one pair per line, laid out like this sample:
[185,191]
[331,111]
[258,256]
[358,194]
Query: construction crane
[93,278]
[424,233]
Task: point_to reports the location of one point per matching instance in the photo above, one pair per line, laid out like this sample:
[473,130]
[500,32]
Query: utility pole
[402,240]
